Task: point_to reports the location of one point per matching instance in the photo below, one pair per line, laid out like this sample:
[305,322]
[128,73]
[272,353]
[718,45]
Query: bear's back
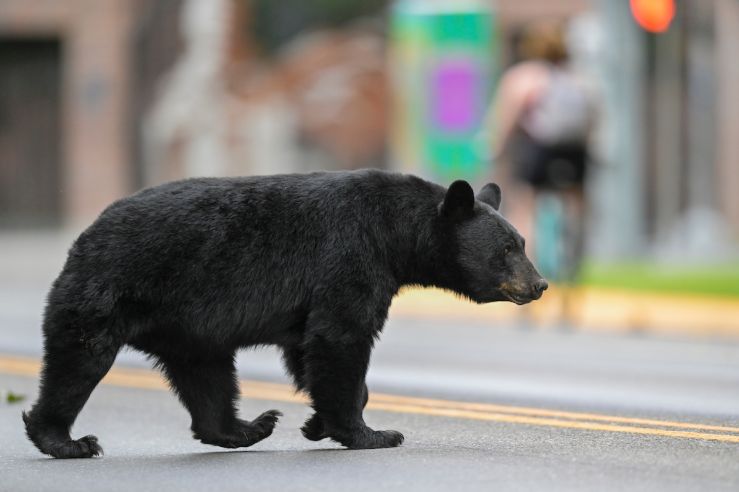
[276,234]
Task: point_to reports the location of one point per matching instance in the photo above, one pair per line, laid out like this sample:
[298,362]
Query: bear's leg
[335,373]
[313,428]
[294,359]
[73,366]
[209,390]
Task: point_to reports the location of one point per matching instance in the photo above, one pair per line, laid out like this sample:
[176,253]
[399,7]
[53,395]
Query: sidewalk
[34,259]
[586,308]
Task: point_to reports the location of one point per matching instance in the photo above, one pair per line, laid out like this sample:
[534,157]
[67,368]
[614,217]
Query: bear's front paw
[372,439]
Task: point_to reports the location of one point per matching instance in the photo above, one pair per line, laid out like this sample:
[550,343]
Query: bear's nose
[540,286]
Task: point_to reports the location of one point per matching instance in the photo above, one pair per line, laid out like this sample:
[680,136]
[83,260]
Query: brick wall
[94,36]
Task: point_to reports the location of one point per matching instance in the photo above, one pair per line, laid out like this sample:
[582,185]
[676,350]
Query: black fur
[490,194]
[191,271]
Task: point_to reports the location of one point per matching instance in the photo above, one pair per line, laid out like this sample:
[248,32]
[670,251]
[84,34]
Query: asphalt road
[148,447]
[505,408]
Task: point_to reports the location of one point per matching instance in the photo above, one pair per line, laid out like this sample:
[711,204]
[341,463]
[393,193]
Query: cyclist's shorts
[558,166]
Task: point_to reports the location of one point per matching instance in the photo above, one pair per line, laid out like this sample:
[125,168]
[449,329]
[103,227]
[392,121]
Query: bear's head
[489,251]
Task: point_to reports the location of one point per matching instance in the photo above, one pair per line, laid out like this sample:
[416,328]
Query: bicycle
[558,247]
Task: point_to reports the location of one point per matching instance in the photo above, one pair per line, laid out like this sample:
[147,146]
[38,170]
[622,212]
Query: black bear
[191,271]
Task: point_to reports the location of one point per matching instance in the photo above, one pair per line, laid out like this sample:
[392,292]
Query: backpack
[561,113]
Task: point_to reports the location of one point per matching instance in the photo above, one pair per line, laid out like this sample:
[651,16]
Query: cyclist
[543,117]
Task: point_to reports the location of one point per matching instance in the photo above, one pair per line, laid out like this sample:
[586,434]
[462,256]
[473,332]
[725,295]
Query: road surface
[482,408]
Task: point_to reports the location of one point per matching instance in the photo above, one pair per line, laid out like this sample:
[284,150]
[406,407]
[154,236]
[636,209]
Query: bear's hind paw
[246,433]
[84,447]
[372,439]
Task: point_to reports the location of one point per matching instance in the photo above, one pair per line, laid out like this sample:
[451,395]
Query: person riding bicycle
[543,118]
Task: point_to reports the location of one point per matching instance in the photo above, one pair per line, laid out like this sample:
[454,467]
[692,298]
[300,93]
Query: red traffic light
[653,15]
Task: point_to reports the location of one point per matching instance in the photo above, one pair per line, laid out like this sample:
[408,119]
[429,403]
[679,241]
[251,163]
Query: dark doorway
[30,132]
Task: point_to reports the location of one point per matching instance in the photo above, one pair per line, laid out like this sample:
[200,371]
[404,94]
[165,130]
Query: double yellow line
[146,379]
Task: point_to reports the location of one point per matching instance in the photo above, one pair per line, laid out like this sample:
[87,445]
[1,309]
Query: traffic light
[653,15]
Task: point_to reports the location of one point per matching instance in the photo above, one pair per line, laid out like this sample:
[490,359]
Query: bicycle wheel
[549,231]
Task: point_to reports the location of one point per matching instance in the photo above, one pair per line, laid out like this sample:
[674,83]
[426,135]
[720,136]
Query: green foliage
[715,280]
[11,397]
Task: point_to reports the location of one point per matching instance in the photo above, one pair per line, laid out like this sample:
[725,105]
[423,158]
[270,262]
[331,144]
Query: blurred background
[101,98]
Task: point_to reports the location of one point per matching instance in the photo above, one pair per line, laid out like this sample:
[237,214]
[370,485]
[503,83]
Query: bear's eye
[507,250]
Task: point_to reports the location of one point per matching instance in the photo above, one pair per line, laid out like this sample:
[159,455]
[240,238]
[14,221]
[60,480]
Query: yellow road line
[147,379]
[521,419]
[541,412]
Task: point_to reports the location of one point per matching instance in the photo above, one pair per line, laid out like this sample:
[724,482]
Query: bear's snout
[539,287]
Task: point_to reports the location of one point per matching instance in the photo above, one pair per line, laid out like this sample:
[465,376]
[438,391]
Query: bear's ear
[459,199]
[490,194]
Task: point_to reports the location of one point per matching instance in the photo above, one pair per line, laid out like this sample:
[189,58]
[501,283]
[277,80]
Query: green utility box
[444,55]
